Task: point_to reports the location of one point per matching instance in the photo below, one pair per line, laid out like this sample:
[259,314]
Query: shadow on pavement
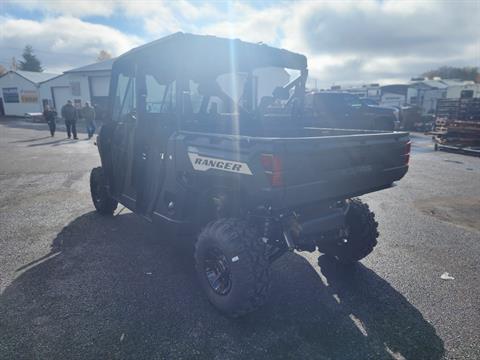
[58,142]
[22,124]
[114,288]
[30,140]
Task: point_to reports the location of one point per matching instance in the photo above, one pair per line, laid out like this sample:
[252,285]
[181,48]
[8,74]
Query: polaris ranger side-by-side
[205,139]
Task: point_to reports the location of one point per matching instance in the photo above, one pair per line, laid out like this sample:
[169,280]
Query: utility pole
[13,65]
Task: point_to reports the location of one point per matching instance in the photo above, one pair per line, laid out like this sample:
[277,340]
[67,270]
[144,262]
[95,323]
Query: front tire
[362,235]
[102,201]
[232,266]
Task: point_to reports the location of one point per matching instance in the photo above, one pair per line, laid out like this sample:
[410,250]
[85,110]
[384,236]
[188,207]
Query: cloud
[163,17]
[74,8]
[375,40]
[345,41]
[389,27]
[250,24]
[107,8]
[63,42]
[362,41]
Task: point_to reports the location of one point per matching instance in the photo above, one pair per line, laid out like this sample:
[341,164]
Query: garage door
[60,96]
[100,85]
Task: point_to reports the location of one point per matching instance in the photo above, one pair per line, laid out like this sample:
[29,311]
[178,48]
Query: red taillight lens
[273,169]
[408,147]
[271,162]
[275,179]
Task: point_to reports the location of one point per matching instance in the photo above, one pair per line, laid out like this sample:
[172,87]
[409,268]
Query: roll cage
[184,58]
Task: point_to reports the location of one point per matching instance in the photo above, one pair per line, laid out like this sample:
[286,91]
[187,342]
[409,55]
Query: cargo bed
[314,165]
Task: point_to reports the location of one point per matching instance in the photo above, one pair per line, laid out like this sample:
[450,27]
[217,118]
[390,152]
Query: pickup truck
[333,109]
[196,146]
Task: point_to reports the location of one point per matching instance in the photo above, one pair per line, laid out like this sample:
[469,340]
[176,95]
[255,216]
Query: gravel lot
[75,285]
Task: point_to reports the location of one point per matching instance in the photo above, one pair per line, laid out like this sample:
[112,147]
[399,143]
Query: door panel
[157,104]
[125,124]
[152,161]
[61,95]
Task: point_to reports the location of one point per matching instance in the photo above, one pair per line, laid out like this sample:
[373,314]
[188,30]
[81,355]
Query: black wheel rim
[217,272]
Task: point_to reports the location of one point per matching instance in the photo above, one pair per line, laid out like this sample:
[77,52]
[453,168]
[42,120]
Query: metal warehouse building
[24,92]
[20,92]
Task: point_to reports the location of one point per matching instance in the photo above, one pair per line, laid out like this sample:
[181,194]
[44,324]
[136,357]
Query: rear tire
[362,235]
[102,201]
[232,266]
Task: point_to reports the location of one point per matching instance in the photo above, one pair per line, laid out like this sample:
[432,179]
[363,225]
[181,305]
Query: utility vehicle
[204,140]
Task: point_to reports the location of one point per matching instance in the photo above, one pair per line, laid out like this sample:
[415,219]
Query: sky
[346,42]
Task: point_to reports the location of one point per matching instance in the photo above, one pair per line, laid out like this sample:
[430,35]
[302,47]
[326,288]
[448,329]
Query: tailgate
[331,167]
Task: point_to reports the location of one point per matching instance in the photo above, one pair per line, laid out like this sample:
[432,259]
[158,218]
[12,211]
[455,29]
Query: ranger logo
[204,163]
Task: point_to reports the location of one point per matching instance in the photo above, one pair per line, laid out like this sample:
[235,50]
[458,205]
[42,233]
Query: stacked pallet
[441,125]
[457,124]
[462,133]
[469,110]
[447,109]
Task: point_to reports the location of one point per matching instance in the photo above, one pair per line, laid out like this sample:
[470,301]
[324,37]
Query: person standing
[88,114]
[70,115]
[50,116]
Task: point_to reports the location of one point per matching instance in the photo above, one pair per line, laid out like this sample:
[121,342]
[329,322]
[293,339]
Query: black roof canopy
[205,55]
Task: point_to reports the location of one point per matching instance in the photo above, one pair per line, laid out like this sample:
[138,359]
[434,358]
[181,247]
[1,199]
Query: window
[76,90]
[352,101]
[125,102]
[159,98]
[10,95]
[195,97]
[203,103]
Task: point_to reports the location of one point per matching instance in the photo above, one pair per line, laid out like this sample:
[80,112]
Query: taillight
[273,169]
[408,148]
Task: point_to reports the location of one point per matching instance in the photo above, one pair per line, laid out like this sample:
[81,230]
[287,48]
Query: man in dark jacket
[70,115]
[50,116]
[88,113]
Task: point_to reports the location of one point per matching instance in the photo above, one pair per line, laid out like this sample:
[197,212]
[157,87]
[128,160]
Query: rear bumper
[341,188]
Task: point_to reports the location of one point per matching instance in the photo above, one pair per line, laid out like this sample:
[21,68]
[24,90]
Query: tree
[450,72]
[103,55]
[30,61]
[3,70]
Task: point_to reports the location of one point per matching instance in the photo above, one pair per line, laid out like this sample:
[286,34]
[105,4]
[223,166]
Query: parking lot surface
[76,285]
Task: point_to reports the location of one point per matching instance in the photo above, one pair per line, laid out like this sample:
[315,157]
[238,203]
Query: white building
[28,92]
[455,88]
[430,91]
[398,95]
[426,93]
[20,92]
[84,84]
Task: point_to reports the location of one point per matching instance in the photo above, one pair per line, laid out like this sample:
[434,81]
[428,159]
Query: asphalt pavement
[76,285]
